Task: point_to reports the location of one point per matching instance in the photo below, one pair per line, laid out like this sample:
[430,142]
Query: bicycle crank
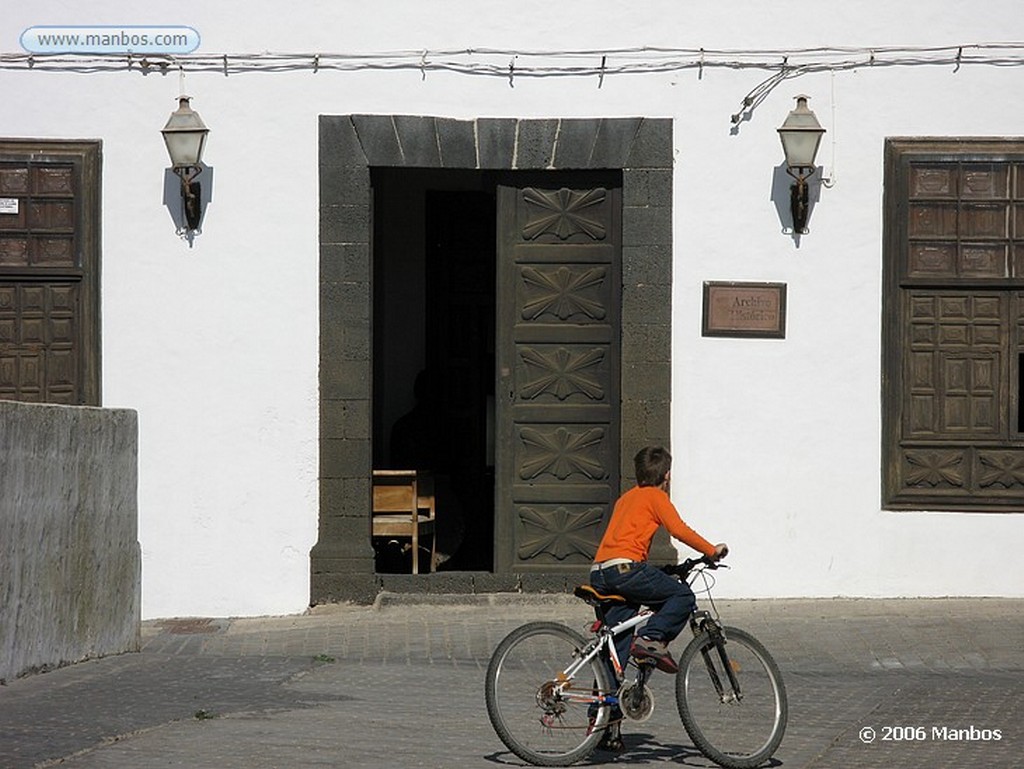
[636,701]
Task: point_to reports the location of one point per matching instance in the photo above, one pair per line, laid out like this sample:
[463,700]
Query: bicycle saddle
[594,598]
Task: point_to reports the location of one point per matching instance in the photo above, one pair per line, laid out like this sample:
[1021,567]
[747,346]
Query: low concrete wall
[70,562]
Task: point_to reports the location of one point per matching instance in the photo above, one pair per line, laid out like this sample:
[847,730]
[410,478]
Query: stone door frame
[342,562]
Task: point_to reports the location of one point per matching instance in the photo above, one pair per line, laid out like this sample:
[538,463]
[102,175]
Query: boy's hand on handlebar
[721,550]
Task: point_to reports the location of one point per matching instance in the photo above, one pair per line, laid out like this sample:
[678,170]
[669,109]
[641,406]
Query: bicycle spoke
[733,704]
[539,714]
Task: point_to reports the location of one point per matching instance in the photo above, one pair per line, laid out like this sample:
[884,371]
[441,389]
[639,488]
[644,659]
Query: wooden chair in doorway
[403,506]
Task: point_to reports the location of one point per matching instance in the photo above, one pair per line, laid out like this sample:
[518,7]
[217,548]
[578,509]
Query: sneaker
[647,648]
[611,740]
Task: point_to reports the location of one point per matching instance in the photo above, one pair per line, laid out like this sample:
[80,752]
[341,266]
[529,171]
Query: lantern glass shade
[185,135]
[801,135]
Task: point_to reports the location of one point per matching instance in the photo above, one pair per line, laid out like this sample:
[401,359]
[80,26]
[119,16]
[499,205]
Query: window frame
[85,156]
[898,285]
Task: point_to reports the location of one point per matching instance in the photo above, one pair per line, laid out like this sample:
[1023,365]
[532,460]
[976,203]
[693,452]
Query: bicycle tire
[737,734]
[531,719]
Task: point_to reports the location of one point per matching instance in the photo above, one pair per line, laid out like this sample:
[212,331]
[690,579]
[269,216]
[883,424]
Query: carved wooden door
[559,287]
[49,330]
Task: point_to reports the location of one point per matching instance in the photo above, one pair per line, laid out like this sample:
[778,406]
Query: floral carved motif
[562,373]
[561,453]
[1002,468]
[560,533]
[935,468]
[563,213]
[559,292]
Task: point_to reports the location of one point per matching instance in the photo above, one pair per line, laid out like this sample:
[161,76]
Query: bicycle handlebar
[683,569]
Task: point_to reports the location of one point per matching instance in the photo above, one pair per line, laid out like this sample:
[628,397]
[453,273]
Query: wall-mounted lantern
[800,134]
[185,137]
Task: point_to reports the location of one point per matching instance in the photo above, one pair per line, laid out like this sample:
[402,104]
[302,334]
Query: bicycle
[550,695]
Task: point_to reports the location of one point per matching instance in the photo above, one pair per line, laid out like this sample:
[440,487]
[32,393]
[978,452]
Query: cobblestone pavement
[940,682]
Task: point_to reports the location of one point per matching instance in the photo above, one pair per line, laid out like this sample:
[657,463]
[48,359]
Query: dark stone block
[644,423]
[652,146]
[345,302]
[417,137]
[347,533]
[495,583]
[613,142]
[338,580]
[646,342]
[646,381]
[452,582]
[635,429]
[339,145]
[416,584]
[345,186]
[646,225]
[345,263]
[344,380]
[662,549]
[575,143]
[345,223]
[647,187]
[536,143]
[495,139]
[355,341]
[646,264]
[553,582]
[379,140]
[343,343]
[647,303]
[458,143]
[344,459]
[348,419]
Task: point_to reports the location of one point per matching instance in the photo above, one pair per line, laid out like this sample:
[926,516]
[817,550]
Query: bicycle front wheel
[732,699]
[543,716]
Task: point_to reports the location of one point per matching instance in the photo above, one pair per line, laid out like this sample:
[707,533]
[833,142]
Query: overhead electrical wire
[509,64]
[496,62]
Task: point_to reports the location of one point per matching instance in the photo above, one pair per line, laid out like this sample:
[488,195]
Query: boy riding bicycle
[621,567]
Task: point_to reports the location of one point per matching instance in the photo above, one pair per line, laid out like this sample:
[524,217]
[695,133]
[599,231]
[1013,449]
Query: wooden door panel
[38,334]
[559,290]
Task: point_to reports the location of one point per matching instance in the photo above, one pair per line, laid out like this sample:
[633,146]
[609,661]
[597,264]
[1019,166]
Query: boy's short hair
[652,465]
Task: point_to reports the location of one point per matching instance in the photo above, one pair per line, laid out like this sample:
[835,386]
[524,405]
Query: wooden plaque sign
[745,309]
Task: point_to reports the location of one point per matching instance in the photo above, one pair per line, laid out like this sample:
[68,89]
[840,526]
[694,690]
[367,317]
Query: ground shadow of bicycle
[641,749]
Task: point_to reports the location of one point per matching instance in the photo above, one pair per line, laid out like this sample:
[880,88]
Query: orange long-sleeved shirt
[636,518]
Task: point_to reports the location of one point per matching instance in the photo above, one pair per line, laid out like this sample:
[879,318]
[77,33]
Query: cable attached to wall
[539,63]
[511,64]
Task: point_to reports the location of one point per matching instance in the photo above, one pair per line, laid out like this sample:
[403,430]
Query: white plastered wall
[777,443]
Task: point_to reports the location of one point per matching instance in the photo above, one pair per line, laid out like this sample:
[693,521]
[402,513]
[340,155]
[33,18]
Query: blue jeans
[672,601]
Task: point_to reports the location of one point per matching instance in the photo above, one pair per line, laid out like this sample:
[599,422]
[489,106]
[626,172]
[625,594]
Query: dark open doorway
[433,353]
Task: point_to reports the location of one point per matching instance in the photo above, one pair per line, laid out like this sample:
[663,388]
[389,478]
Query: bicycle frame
[591,650]
[699,620]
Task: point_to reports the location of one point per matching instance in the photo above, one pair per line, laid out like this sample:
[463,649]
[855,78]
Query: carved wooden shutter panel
[956,224]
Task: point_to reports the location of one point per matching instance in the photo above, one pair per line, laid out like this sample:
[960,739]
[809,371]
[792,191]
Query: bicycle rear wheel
[736,720]
[543,718]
